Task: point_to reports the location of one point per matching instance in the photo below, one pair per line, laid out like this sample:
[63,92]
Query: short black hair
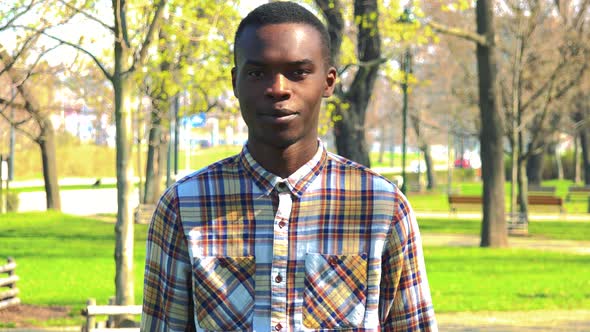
[284,12]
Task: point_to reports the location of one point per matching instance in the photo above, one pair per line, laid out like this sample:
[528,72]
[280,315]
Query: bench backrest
[580,189]
[545,200]
[465,199]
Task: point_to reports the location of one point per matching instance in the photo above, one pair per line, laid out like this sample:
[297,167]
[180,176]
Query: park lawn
[478,279]
[438,201]
[555,230]
[64,260]
[203,157]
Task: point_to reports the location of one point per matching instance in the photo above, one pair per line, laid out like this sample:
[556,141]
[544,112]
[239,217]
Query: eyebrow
[291,63]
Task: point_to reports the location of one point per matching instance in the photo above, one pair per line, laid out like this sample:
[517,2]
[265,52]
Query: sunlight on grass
[555,230]
[64,260]
[476,279]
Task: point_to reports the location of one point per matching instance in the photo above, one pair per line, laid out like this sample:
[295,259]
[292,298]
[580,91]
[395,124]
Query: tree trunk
[430,178]
[154,141]
[162,158]
[121,79]
[124,277]
[577,170]
[46,138]
[349,134]
[349,131]
[382,143]
[558,163]
[585,143]
[494,232]
[523,189]
[47,145]
[534,167]
[425,148]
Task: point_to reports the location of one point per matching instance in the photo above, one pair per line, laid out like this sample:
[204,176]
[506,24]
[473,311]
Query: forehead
[279,42]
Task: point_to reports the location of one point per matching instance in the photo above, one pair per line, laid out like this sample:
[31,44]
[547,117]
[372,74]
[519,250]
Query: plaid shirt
[334,246]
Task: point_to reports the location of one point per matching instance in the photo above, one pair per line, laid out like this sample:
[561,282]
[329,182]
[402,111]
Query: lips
[278,116]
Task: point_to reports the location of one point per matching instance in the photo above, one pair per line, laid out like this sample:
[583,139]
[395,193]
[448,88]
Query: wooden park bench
[9,296]
[541,191]
[463,200]
[92,310]
[578,194]
[143,213]
[547,201]
[544,201]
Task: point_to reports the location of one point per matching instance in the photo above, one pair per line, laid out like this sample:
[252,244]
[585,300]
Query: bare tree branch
[17,126]
[10,102]
[30,72]
[18,15]
[78,47]
[88,15]
[139,57]
[472,36]
[9,61]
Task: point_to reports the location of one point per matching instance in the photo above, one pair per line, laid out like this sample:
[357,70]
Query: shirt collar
[296,182]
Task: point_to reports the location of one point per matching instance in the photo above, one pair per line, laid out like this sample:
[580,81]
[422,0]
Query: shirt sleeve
[167,299]
[405,303]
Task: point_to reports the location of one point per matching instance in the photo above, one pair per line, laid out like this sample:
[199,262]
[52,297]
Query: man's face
[280,79]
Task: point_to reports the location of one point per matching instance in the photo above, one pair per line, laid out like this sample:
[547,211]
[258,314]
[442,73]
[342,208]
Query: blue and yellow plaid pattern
[232,247]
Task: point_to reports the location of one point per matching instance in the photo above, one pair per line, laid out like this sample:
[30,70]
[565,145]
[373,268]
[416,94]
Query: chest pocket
[335,291]
[224,292]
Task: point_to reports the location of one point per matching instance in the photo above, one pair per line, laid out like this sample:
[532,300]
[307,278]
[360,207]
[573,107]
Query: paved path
[82,202]
[516,321]
[465,240]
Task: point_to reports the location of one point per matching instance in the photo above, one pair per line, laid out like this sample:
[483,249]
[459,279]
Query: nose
[279,87]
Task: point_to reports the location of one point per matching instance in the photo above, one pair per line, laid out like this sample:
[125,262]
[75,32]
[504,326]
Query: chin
[280,141]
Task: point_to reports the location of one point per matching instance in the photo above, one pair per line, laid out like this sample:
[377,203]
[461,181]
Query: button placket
[279,264]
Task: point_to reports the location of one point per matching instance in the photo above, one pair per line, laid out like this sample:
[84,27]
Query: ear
[331,77]
[234,73]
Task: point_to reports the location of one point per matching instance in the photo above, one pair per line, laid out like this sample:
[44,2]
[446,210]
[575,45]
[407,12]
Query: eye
[256,73]
[300,73]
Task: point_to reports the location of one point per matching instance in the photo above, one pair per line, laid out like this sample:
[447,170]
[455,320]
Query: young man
[284,236]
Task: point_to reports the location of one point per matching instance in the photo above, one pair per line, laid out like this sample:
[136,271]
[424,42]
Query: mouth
[279,116]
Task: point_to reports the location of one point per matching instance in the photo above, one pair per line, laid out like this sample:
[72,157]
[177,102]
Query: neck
[282,161]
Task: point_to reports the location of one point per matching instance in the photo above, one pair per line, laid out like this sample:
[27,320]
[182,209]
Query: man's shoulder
[212,172]
[354,169]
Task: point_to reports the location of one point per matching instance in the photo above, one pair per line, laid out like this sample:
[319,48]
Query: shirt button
[333,261]
[282,186]
[278,327]
[278,279]
[282,224]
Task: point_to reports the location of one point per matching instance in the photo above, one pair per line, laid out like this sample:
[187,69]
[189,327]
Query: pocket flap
[224,292]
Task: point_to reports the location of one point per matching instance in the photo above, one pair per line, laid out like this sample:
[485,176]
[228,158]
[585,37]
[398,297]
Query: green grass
[555,230]
[203,157]
[74,160]
[477,279]
[437,201]
[64,260]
